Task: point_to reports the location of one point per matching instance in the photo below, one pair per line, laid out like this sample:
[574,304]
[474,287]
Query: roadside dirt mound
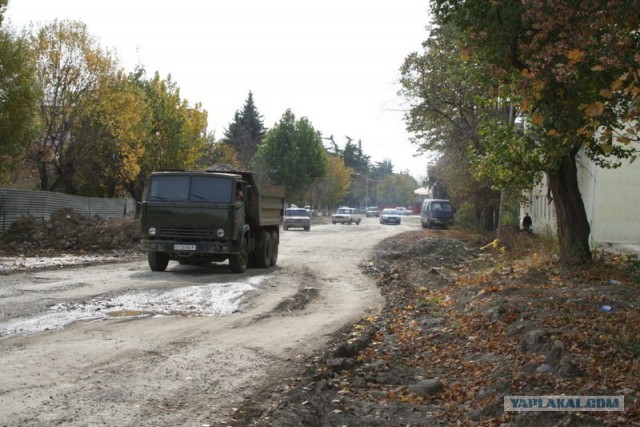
[69,231]
[461,329]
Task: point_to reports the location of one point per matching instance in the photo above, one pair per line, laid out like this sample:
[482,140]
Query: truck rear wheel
[238,262]
[264,253]
[275,242]
[158,261]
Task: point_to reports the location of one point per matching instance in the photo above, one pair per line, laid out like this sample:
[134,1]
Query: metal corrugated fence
[41,204]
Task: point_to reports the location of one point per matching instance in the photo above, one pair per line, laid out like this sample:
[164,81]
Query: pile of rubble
[70,231]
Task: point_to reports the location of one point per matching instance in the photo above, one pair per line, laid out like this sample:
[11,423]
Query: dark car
[372,212]
[390,216]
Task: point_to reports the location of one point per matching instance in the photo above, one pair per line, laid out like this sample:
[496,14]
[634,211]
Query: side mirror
[248,193]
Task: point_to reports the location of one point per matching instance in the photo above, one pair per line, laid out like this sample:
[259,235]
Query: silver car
[296,218]
[390,216]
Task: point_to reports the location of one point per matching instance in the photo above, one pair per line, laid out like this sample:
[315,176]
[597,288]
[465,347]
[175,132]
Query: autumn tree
[19,95]
[175,135]
[245,132]
[572,68]
[70,66]
[334,186]
[107,147]
[292,155]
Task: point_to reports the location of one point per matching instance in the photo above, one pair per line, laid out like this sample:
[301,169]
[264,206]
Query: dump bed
[265,204]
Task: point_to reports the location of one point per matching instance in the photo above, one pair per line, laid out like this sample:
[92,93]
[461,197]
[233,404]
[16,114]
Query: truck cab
[200,217]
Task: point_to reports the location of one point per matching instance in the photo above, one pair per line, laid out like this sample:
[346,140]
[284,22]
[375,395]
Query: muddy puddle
[217,299]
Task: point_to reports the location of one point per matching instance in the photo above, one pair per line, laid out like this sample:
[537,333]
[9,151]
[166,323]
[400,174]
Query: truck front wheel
[265,252]
[238,262]
[158,261]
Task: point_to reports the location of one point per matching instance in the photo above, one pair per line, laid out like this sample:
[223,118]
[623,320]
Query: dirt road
[117,344]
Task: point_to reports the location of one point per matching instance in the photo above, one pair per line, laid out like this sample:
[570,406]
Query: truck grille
[191,233]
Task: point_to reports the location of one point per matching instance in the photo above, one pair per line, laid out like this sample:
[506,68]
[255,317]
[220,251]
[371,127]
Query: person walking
[527,223]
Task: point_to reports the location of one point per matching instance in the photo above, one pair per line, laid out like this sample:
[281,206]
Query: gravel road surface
[117,344]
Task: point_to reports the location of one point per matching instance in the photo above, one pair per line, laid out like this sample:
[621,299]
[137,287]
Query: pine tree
[245,132]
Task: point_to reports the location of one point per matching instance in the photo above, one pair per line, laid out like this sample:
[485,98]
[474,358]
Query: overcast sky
[335,62]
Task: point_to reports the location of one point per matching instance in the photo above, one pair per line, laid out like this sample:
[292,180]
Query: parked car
[296,218]
[401,210]
[372,212]
[346,215]
[436,212]
[390,216]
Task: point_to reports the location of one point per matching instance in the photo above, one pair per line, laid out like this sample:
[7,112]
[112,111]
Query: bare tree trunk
[571,216]
[44,176]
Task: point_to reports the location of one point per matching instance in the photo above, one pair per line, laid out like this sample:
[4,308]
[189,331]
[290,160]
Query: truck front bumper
[170,246]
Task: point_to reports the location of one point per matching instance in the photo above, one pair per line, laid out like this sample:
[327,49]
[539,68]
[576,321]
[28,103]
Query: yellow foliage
[595,109]
[618,83]
[537,119]
[575,55]
[526,73]
[493,245]
[606,93]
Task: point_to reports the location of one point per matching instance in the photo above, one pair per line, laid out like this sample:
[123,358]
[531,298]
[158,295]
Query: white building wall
[540,209]
[616,210]
[611,199]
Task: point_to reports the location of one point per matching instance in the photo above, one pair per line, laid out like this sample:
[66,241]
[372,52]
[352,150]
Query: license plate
[184,247]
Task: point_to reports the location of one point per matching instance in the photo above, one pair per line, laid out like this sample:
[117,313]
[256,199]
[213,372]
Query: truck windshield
[183,188]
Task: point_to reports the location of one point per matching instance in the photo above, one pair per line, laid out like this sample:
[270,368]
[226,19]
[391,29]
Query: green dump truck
[198,217]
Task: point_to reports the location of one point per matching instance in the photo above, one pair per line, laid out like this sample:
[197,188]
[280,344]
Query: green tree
[217,153]
[355,158]
[397,190]
[381,169]
[245,132]
[3,9]
[292,155]
[70,66]
[572,68]
[446,93]
[19,95]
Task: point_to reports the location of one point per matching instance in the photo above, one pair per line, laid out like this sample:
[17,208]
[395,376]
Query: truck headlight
[152,231]
[220,233]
